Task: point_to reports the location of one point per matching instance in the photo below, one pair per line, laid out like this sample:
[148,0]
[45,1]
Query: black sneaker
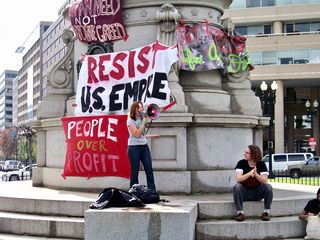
[265,216]
[240,217]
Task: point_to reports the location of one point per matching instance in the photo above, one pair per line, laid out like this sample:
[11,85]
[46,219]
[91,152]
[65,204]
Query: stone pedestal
[202,136]
[174,221]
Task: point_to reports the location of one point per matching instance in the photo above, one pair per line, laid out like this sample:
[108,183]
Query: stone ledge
[173,220]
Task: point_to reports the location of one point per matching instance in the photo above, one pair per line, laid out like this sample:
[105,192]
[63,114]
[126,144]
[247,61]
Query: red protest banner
[96,146]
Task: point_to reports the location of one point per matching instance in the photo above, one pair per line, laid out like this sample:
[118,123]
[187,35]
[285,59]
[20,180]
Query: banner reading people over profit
[109,83]
[96,146]
[97,20]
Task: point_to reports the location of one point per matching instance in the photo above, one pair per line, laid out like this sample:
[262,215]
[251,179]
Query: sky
[18,19]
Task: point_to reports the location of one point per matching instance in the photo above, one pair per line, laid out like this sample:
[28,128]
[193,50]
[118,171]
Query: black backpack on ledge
[145,194]
[114,197]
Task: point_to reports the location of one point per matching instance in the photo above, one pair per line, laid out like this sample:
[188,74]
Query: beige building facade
[41,50]
[283,40]
[29,75]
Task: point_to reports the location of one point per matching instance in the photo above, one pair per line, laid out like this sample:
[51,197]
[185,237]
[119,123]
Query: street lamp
[29,133]
[269,98]
[311,111]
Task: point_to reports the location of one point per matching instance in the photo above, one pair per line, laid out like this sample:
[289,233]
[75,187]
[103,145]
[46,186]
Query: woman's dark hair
[133,108]
[255,152]
[318,192]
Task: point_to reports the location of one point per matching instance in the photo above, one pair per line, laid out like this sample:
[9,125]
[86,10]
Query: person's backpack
[113,197]
[145,194]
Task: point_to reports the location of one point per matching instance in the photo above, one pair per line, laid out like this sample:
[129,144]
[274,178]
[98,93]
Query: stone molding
[60,78]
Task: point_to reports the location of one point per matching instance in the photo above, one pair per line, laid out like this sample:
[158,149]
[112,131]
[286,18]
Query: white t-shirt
[142,140]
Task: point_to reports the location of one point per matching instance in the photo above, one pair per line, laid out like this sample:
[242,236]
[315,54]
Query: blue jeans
[240,194]
[141,153]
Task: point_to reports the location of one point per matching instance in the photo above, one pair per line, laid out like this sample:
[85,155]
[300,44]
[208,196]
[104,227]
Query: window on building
[267,3]
[255,30]
[314,56]
[315,26]
[269,58]
[283,2]
[242,30]
[255,58]
[267,29]
[11,75]
[253,3]
[294,2]
[289,28]
[301,56]
[302,27]
[285,57]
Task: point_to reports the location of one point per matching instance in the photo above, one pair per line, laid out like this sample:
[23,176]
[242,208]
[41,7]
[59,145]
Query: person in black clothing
[312,208]
[252,177]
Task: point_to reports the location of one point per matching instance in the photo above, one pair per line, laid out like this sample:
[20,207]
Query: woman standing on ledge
[138,149]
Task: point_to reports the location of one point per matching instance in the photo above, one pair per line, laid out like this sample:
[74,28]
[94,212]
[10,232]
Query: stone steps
[40,213]
[216,218]
[54,207]
[24,237]
[226,209]
[276,228]
[41,225]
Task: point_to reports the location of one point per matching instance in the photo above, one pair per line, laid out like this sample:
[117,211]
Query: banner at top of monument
[97,20]
[204,47]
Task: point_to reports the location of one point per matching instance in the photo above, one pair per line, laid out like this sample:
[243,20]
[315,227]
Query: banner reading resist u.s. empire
[109,83]
[96,146]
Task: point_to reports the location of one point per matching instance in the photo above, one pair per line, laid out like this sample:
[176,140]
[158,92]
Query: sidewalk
[24,189]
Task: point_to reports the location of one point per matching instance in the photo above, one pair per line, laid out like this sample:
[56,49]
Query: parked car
[21,174]
[11,165]
[309,167]
[281,161]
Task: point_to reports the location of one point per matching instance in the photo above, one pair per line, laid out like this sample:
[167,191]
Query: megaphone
[153,111]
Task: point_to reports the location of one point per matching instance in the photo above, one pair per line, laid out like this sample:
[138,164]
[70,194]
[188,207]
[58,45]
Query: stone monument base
[154,221]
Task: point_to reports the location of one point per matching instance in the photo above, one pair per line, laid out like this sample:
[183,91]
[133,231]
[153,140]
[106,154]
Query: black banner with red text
[97,20]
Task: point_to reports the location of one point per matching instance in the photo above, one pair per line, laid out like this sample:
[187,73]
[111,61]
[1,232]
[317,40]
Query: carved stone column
[167,16]
[60,83]
[243,99]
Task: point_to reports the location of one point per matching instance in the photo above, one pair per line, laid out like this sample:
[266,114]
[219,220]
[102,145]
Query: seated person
[252,177]
[312,208]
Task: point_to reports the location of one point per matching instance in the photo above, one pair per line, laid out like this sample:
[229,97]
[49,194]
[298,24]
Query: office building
[29,75]
[40,51]
[283,40]
[6,98]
